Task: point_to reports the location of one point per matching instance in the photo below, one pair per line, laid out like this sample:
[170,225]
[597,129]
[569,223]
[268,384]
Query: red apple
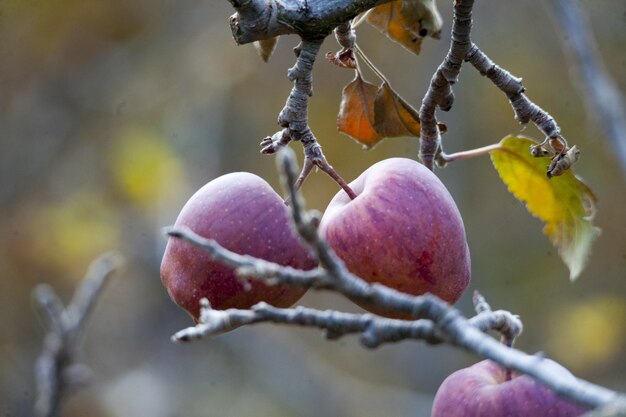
[483,390]
[402,230]
[243,214]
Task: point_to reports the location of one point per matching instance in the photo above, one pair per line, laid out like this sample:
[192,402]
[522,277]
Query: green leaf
[565,204]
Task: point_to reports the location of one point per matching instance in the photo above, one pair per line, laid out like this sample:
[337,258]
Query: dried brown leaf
[343,59]
[356,112]
[393,116]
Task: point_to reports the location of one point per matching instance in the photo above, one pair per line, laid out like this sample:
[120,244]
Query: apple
[402,230]
[483,390]
[245,215]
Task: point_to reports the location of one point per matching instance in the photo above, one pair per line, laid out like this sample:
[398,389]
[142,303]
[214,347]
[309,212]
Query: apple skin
[482,390]
[402,230]
[245,215]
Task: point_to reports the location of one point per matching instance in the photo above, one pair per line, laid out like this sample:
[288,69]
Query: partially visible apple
[245,215]
[402,230]
[483,390]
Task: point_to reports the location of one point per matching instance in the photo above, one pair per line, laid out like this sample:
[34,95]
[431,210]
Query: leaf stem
[370,64]
[471,153]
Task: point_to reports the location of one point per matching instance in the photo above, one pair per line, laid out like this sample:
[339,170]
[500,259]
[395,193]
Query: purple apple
[402,230]
[483,390]
[245,215]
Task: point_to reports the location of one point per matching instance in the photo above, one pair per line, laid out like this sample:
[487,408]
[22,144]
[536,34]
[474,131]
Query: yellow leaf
[393,116]
[565,204]
[407,21]
[356,112]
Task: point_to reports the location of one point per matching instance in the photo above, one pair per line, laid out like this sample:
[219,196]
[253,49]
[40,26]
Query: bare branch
[57,371]
[600,94]
[374,330]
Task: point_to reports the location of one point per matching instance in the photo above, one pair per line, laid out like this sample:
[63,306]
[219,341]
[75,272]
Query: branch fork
[440,94]
[294,118]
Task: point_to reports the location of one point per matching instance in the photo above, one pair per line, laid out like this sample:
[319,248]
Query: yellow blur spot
[69,235]
[589,333]
[144,167]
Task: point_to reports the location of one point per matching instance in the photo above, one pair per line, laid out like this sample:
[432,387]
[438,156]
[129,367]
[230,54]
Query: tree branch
[374,330]
[310,19]
[600,93]
[439,93]
[57,371]
[434,317]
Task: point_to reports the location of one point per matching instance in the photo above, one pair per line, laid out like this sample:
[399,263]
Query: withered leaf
[407,22]
[266,47]
[393,116]
[343,59]
[356,112]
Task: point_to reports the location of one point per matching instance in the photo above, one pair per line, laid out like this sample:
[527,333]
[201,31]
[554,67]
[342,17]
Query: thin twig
[525,110]
[57,371]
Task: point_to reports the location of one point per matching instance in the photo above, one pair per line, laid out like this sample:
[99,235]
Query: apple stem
[508,375]
[325,166]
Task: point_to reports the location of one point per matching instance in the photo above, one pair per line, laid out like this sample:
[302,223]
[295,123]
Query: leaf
[407,22]
[265,47]
[356,112]
[565,204]
[393,116]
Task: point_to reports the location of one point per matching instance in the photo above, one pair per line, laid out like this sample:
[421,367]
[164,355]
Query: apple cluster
[402,230]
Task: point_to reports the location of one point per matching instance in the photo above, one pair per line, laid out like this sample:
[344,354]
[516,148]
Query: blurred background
[113,113]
